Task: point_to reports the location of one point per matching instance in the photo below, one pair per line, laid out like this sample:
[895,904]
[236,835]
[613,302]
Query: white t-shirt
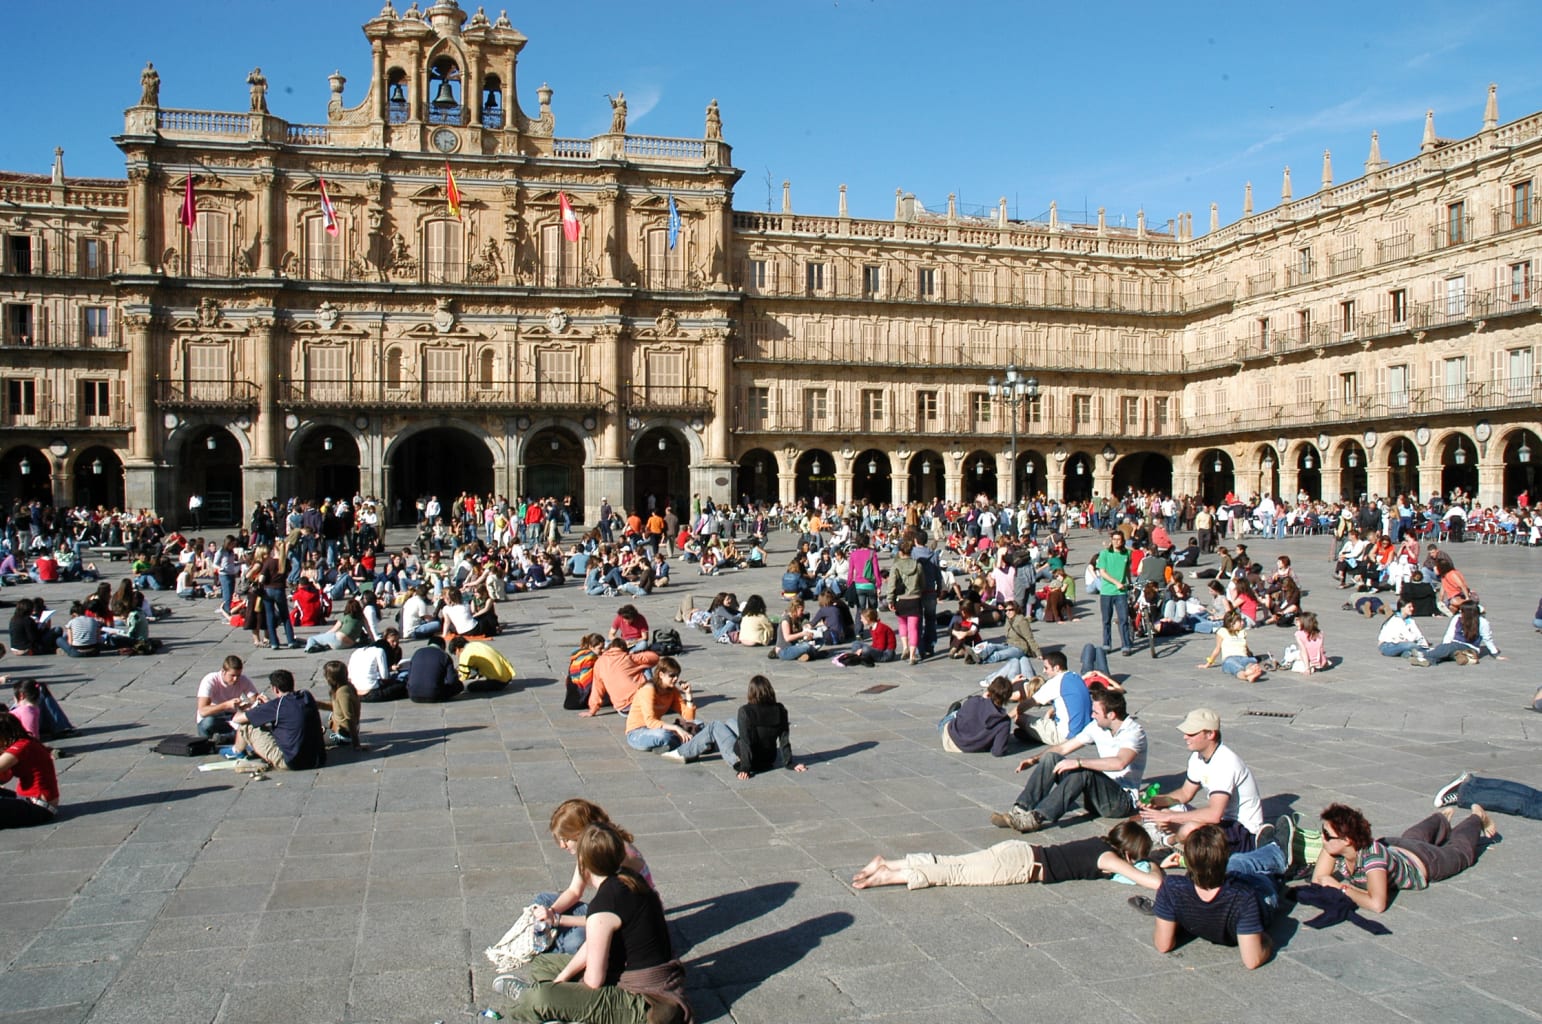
[214,687]
[460,618]
[366,667]
[1129,737]
[414,611]
[1225,773]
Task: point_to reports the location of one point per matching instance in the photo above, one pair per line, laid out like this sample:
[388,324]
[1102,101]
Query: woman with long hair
[1017,862]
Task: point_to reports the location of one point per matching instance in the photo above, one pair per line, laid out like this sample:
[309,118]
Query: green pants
[573,1000]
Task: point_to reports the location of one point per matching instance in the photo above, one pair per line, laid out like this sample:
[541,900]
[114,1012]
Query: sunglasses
[1329,837]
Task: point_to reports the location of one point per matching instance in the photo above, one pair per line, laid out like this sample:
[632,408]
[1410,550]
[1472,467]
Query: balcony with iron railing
[72,337]
[195,394]
[1261,283]
[1301,273]
[1431,402]
[76,413]
[1452,231]
[1395,247]
[667,398]
[59,253]
[501,395]
[1523,213]
[950,356]
[946,426]
[1346,262]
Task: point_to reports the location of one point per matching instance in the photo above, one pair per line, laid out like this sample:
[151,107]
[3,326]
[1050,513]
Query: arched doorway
[98,479]
[1078,477]
[980,476]
[1217,477]
[815,476]
[1268,479]
[327,461]
[441,461]
[871,480]
[1309,472]
[26,475]
[554,467]
[210,466]
[1143,471]
[758,483]
[660,473]
[1033,472]
[1402,467]
[1459,466]
[1522,449]
[1354,475]
[927,477]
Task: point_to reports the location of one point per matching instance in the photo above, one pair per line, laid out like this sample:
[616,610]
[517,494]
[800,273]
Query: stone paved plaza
[367,891]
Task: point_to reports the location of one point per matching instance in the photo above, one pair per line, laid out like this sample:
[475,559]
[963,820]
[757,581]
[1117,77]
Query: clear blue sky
[1125,105]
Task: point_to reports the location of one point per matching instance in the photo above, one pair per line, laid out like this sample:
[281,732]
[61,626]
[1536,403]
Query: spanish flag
[328,214]
[451,193]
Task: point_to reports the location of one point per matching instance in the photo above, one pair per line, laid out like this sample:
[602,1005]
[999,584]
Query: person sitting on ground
[1421,592]
[483,668]
[1309,653]
[1017,862]
[1468,637]
[1014,651]
[40,713]
[1232,800]
[665,694]
[1369,870]
[24,758]
[1208,903]
[349,631]
[794,640]
[1231,650]
[293,738]
[760,735]
[28,637]
[877,648]
[418,619]
[220,696]
[1107,785]
[566,911]
[82,633]
[626,969]
[617,675]
[981,722]
[631,626]
[755,627]
[342,705]
[1065,693]
[831,620]
[1401,636]
[311,606]
[374,669]
[581,664]
[1454,591]
[431,674]
[455,616]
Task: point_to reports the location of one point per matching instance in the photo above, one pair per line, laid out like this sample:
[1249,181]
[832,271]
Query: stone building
[197,328]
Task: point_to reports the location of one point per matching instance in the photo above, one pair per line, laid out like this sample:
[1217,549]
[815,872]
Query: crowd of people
[864,586]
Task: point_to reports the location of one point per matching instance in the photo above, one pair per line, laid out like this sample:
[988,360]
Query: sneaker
[1285,838]
[1465,658]
[673,755]
[1348,607]
[1417,658]
[1446,797]
[970,657]
[1265,835]
[1019,818]
[1144,904]
[510,987]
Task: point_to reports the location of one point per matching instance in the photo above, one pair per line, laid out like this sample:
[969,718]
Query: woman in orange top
[666,694]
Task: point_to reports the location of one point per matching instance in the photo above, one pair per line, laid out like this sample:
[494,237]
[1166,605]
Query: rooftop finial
[1374,162]
[1327,170]
[1285,186]
[1215,216]
[1491,108]
[58,173]
[843,212]
[1429,142]
[786,196]
[1247,200]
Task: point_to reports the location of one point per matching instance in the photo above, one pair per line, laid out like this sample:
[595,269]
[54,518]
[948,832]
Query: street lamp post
[1011,392]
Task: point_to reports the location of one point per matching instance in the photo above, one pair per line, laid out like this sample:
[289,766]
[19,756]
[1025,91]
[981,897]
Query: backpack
[869,570]
[185,745]
[666,641]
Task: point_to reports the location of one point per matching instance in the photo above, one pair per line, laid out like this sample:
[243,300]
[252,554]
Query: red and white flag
[451,192]
[570,222]
[328,215]
[188,215]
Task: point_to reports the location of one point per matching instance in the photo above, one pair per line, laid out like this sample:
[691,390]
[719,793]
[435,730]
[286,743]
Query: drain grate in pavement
[1271,714]
[880,688]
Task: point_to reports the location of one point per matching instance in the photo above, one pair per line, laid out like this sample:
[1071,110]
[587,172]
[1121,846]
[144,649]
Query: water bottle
[1149,793]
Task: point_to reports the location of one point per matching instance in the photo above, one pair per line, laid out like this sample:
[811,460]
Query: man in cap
[1232,794]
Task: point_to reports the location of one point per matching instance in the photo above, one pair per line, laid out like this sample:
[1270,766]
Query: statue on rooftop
[259,86]
[714,121]
[617,113]
[149,86]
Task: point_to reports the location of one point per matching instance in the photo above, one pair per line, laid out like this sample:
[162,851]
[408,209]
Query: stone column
[607,234]
[267,223]
[142,220]
[261,474]
[899,479]
[843,477]
[612,359]
[1054,479]
[787,484]
[1290,482]
[952,479]
[1102,477]
[1491,477]
[720,378]
[1429,478]
[382,89]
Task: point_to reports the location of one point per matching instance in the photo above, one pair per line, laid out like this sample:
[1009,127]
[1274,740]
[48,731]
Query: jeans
[342,588]
[928,625]
[719,736]
[1053,795]
[1094,659]
[227,591]
[275,605]
[1116,606]
[992,653]
[1268,860]
[324,642]
[569,937]
[1443,652]
[1401,649]
[207,727]
[651,739]
[1019,666]
[77,652]
[792,652]
[1501,795]
[1236,663]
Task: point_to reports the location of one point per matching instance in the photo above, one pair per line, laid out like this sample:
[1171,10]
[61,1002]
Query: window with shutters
[1454,382]
[980,409]
[393,368]
[1397,305]
[666,266]
[927,407]
[926,342]
[1035,413]
[323,252]
[926,282]
[446,251]
[666,378]
[1303,325]
[980,344]
[97,322]
[1456,223]
[1456,295]
[1521,213]
[1305,392]
[1081,411]
[20,399]
[1160,415]
[487,369]
[814,278]
[1129,414]
[326,373]
[874,409]
[557,258]
[1261,332]
[208,373]
[1349,389]
[1081,290]
[209,245]
[1518,366]
[1033,289]
[444,375]
[759,274]
[872,280]
[1081,348]
[556,375]
[1129,294]
[1347,318]
[760,407]
[982,283]
[1397,386]
[95,399]
[19,249]
[1520,281]
[816,408]
[93,257]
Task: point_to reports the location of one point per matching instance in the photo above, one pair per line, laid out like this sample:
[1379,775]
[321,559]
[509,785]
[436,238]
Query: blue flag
[674,221]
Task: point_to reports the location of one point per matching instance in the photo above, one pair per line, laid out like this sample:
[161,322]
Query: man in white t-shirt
[220,695]
[1232,800]
[418,618]
[1107,785]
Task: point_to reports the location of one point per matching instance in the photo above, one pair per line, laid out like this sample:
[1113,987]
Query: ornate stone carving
[149,86]
[289,266]
[617,113]
[327,316]
[557,321]
[487,267]
[138,321]
[714,121]
[208,312]
[444,316]
[666,323]
[259,86]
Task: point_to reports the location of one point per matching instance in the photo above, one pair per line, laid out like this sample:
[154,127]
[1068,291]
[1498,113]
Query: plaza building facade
[266,308]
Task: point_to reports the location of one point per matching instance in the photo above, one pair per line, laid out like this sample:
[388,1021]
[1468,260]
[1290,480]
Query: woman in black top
[1015,862]
[27,637]
[626,969]
[759,736]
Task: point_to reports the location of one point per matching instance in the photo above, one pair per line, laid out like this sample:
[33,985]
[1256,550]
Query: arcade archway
[660,473]
[442,461]
[1078,477]
[1217,477]
[98,479]
[1150,472]
[26,475]
[927,480]
[1522,450]
[327,464]
[554,467]
[758,481]
[815,476]
[209,465]
[980,476]
[1458,466]
[870,478]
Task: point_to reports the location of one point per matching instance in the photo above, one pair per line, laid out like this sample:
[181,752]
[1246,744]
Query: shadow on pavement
[718,914]
[406,742]
[821,756]
[85,808]
[737,970]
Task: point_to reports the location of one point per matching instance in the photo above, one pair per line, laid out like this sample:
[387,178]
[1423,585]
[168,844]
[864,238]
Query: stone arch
[439,456]
[815,475]
[1143,471]
[759,475]
[978,476]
